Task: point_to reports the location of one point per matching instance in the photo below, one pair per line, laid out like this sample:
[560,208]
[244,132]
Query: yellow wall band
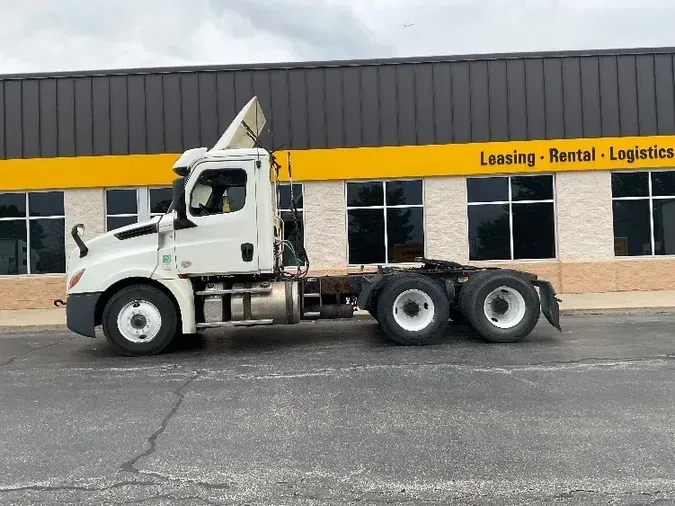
[361,163]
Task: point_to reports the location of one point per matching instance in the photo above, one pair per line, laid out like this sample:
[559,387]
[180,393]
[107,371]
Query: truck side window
[218,191]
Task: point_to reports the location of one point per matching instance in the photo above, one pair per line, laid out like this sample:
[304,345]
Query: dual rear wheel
[501,306]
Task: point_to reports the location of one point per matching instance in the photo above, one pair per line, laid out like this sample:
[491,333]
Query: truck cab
[223,221]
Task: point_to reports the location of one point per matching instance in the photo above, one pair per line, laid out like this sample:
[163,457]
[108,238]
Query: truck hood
[115,242]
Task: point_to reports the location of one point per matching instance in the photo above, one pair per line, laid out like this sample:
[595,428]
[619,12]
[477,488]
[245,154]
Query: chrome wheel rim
[139,321]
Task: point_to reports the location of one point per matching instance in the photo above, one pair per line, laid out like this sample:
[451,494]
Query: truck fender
[367,287]
[181,289]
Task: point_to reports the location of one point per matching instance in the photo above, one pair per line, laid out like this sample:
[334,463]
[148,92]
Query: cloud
[52,35]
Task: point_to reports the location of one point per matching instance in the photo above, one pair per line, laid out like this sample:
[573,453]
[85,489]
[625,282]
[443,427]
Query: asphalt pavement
[331,413]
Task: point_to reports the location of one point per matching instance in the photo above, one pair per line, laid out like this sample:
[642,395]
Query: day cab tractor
[215,260]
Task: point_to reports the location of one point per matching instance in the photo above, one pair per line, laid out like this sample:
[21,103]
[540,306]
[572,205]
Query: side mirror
[178,198]
[178,205]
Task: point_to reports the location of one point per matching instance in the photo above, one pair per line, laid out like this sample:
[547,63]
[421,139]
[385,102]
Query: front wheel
[412,309]
[140,320]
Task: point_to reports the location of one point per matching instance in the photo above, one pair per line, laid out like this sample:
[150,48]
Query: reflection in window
[511,217]
[385,222]
[32,233]
[292,255]
[643,206]
[160,200]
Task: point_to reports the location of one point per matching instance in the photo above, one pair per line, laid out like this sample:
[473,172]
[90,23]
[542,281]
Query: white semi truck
[215,260]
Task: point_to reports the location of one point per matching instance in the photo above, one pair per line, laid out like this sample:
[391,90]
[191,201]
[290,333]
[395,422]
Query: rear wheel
[501,306]
[140,320]
[412,309]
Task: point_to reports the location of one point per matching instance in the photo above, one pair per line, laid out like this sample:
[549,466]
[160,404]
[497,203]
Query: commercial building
[557,163]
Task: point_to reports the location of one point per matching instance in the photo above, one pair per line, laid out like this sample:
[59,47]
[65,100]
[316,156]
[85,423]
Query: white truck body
[215,260]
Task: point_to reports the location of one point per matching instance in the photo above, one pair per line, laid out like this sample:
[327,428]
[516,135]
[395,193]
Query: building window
[32,233]
[385,222]
[125,206]
[511,217]
[121,208]
[160,200]
[295,238]
[643,208]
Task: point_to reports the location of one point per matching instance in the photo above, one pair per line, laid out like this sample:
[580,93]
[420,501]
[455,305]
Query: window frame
[510,203]
[27,219]
[650,198]
[300,210]
[384,208]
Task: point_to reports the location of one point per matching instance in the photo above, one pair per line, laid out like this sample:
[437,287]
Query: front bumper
[81,313]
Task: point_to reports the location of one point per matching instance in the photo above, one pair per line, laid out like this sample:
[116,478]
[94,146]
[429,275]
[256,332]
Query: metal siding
[665,99]
[536,101]
[371,106]
[405,98]
[48,120]
[590,97]
[388,107]
[517,101]
[226,100]
[84,140]
[13,134]
[316,109]
[424,103]
[628,101]
[573,113]
[119,121]
[442,89]
[646,95]
[208,109]
[243,89]
[334,114]
[553,93]
[461,102]
[154,114]
[2,119]
[189,90]
[30,112]
[351,97]
[100,87]
[65,99]
[261,87]
[137,126]
[609,96]
[297,88]
[480,101]
[280,108]
[171,99]
[498,101]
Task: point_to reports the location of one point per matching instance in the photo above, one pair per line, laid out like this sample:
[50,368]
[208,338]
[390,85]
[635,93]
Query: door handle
[247,252]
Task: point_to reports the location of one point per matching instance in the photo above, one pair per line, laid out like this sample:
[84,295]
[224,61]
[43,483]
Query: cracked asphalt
[328,413]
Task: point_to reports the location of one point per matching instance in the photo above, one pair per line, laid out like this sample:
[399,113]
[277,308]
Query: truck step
[229,291]
[240,323]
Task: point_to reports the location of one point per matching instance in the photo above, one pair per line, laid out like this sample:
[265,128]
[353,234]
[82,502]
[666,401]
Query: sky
[61,35]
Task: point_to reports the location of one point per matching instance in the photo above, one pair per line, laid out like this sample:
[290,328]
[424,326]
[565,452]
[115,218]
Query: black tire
[478,288]
[458,318]
[149,296]
[400,284]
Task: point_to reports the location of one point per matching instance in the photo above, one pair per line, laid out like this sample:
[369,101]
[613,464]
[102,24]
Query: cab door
[221,206]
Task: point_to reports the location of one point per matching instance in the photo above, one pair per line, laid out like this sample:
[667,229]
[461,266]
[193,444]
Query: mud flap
[549,303]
